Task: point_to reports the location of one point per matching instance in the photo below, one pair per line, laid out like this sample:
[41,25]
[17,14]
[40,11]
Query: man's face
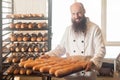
[77,14]
[78,18]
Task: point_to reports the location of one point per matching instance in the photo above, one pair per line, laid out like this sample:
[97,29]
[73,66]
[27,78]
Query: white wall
[30,6]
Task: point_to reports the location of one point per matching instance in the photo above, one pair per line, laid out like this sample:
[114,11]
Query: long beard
[79,26]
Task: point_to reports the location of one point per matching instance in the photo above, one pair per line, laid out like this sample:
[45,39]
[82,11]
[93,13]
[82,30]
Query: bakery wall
[30,6]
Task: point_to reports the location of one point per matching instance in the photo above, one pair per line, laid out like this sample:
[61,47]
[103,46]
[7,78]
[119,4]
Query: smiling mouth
[77,20]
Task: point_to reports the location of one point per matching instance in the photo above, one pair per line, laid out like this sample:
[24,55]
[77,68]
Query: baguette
[37,67]
[60,62]
[54,69]
[50,65]
[46,67]
[30,65]
[23,59]
[60,66]
[71,69]
[21,64]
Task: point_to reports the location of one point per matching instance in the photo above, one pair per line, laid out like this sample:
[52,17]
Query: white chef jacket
[85,44]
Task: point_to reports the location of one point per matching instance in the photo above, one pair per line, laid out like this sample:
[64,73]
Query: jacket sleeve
[99,48]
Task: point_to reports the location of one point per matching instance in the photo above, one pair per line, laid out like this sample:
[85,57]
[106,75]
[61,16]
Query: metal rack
[9,9]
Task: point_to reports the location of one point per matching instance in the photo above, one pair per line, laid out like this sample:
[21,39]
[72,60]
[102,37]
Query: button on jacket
[89,43]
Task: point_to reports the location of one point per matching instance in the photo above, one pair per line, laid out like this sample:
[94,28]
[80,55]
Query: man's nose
[76,15]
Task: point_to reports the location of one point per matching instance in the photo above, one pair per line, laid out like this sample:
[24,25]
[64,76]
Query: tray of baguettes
[54,66]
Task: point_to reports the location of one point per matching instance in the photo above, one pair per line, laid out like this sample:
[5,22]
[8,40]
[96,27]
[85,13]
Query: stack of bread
[55,65]
[28,25]
[17,16]
[28,37]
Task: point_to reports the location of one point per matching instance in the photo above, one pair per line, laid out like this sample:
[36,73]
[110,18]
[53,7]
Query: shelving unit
[6,8]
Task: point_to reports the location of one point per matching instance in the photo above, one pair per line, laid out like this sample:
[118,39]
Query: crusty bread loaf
[70,69]
[61,65]
[21,64]
[30,65]
[22,71]
[56,64]
[28,71]
[46,62]
[10,70]
[16,71]
[46,67]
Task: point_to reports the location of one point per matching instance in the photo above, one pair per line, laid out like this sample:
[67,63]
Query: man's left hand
[89,66]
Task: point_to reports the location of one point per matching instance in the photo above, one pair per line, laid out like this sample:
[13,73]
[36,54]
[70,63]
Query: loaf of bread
[45,62]
[23,59]
[21,64]
[22,71]
[20,37]
[26,37]
[13,37]
[62,62]
[61,65]
[12,26]
[30,65]
[71,69]
[16,59]
[18,25]
[10,70]
[16,71]
[54,65]
[28,72]
[9,59]
[46,67]
[30,25]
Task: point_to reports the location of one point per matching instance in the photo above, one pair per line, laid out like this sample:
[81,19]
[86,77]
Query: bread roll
[24,47]
[26,37]
[17,26]
[16,71]
[16,59]
[28,71]
[30,25]
[13,37]
[39,25]
[39,37]
[9,59]
[22,71]
[20,37]
[12,26]
[23,59]
[23,26]
[10,70]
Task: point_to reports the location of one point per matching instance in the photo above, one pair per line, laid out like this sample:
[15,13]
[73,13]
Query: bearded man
[82,38]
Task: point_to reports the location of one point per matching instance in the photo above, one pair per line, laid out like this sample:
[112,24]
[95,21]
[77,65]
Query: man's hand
[89,66]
